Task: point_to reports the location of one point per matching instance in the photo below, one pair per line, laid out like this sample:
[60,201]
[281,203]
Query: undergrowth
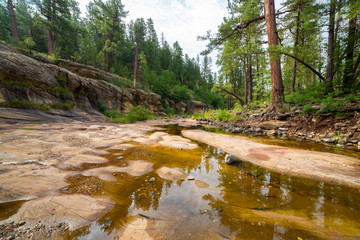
[137,113]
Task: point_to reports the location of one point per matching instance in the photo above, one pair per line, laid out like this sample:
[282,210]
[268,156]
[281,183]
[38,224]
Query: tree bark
[13,20]
[245,83]
[296,42]
[278,99]
[331,44]
[250,80]
[348,79]
[108,54]
[136,64]
[51,42]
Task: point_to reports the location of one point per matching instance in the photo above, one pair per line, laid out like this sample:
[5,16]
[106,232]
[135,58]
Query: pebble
[120,158]
[328,140]
[191,178]
[152,179]
[137,178]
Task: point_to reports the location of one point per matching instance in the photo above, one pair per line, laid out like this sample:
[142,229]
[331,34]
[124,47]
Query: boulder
[180,107]
[195,107]
[230,159]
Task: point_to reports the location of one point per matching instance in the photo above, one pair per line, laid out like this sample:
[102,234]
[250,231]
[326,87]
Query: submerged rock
[230,159]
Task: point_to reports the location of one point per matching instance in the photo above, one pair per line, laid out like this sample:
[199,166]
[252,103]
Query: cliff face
[35,81]
[65,83]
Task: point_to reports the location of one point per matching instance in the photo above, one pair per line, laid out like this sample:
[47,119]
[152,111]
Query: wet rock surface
[318,165]
[45,164]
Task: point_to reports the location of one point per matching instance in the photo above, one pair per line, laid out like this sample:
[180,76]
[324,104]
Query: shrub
[223,115]
[308,109]
[181,93]
[197,115]
[112,113]
[169,111]
[102,106]
[135,114]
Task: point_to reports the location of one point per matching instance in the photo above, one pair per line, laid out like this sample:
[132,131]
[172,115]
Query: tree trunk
[182,79]
[250,80]
[108,54]
[245,83]
[296,42]
[13,20]
[278,99]
[348,79]
[330,55]
[51,42]
[136,64]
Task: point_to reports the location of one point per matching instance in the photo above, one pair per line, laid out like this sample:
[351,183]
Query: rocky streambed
[141,181]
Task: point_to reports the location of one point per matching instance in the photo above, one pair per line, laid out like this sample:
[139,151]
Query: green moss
[64,106]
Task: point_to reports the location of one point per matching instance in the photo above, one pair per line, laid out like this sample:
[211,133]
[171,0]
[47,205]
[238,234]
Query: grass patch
[16,103]
[197,115]
[15,83]
[63,90]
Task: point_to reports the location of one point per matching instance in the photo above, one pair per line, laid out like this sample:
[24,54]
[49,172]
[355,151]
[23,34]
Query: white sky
[179,20]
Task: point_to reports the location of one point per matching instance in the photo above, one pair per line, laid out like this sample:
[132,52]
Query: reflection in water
[243,201]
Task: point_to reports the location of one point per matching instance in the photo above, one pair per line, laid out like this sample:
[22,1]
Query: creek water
[240,201]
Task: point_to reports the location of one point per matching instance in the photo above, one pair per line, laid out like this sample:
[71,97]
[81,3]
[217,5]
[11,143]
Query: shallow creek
[214,201]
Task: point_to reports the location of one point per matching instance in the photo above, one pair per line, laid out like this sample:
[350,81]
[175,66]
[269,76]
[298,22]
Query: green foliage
[15,83]
[169,111]
[102,106]
[223,115]
[65,91]
[308,109]
[315,94]
[197,115]
[112,113]
[181,93]
[337,137]
[137,113]
[29,43]
[16,103]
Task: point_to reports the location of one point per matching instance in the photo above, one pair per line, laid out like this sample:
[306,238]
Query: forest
[307,50]
[312,47]
[103,39]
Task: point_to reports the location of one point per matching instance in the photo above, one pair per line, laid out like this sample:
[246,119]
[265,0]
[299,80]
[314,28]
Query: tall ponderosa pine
[13,19]
[58,14]
[278,98]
